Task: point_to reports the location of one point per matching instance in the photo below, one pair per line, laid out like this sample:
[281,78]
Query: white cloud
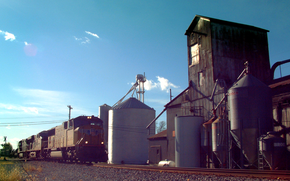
[12,108]
[84,40]
[78,39]
[165,84]
[162,83]
[149,84]
[93,34]
[7,35]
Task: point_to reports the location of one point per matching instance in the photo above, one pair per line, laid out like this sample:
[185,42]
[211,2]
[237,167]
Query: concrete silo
[250,114]
[127,141]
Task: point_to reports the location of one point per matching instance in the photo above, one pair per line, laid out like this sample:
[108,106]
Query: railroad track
[250,173]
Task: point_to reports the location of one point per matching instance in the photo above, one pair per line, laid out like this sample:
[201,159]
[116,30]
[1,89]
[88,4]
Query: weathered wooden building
[217,51]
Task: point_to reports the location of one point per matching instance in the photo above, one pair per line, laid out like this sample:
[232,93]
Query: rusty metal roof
[162,134]
[132,103]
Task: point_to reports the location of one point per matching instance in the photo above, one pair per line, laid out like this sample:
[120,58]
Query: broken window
[194,55]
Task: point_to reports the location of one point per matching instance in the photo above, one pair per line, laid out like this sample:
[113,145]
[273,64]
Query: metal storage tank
[187,141]
[273,149]
[206,143]
[104,116]
[220,140]
[250,114]
[206,135]
[127,141]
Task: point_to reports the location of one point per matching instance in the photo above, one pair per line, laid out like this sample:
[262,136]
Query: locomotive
[78,139]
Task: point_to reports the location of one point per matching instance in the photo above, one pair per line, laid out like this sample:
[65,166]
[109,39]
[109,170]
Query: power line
[32,117]
[30,123]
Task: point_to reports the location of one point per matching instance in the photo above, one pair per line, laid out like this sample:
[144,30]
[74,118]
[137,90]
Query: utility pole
[69,111]
[171,95]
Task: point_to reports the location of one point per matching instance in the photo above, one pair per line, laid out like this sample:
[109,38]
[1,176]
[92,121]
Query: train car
[78,139]
[33,146]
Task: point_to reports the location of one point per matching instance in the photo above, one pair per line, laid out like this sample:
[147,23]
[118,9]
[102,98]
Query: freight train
[80,139]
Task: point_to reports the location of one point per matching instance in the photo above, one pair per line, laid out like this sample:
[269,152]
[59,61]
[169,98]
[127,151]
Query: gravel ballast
[47,171]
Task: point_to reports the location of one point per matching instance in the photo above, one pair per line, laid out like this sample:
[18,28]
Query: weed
[29,168]
[12,174]
[39,169]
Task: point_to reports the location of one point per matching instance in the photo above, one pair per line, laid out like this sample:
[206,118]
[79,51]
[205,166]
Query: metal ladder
[260,160]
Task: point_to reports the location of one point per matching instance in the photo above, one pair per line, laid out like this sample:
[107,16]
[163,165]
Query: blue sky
[87,53]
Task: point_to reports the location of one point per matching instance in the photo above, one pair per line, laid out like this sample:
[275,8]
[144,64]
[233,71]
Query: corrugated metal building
[217,51]
[281,105]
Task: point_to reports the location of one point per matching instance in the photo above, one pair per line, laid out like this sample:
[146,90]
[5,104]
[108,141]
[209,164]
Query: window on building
[194,55]
[200,79]
[70,123]
[65,125]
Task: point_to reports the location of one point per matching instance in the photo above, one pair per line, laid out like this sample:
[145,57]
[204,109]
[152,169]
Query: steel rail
[251,173]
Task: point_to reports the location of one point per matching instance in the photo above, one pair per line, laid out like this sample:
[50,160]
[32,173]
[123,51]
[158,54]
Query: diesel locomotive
[80,139]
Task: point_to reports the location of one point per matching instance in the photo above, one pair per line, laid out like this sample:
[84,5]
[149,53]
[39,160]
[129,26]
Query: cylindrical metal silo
[250,114]
[127,141]
[220,140]
[104,116]
[187,141]
[274,150]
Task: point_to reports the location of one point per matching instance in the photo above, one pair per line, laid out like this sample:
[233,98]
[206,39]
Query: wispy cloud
[77,39]
[93,34]
[37,102]
[43,97]
[7,35]
[12,108]
[162,83]
[86,40]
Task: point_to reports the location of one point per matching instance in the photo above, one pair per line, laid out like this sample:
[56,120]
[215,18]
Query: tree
[161,126]
[6,148]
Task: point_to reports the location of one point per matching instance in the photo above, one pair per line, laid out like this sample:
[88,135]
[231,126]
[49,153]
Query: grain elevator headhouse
[218,53]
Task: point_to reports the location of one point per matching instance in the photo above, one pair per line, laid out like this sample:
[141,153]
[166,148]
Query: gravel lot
[47,171]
